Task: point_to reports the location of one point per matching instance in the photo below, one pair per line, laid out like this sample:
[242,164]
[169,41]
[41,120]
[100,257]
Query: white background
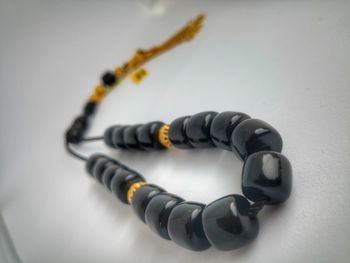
[286,62]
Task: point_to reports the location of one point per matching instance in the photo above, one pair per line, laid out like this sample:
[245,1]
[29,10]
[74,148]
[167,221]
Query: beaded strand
[227,223]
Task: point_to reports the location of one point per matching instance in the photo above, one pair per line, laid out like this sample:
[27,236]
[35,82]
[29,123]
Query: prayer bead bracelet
[227,223]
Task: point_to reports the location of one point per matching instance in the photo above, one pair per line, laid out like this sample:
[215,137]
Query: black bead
[254,135]
[198,129]
[100,166]
[74,135]
[227,224]
[107,137]
[81,121]
[76,131]
[118,137]
[112,163]
[267,176]
[185,226]
[91,162]
[177,133]
[142,197]
[222,127]
[147,136]
[109,79]
[121,182]
[158,211]
[108,175]
[130,138]
[90,108]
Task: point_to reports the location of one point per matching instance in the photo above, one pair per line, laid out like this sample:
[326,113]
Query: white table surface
[286,62]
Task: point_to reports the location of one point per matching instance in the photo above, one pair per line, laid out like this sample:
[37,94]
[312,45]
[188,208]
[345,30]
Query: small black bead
[100,173]
[76,131]
[227,224]
[74,135]
[90,108]
[111,163]
[130,138]
[177,133]
[107,137]
[185,226]
[142,197]
[198,129]
[147,136]
[222,127]
[108,175]
[81,121]
[254,135]
[118,137]
[109,79]
[158,211]
[100,167]
[91,162]
[121,182]
[267,176]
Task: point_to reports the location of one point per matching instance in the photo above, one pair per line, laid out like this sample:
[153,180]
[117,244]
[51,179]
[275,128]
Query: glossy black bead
[177,133]
[147,136]
[91,162]
[254,135]
[90,108]
[109,78]
[81,122]
[108,135]
[121,182]
[76,131]
[108,175]
[158,211]
[198,129]
[118,137]
[100,166]
[267,176]
[130,138]
[185,226]
[227,224]
[74,135]
[222,127]
[142,197]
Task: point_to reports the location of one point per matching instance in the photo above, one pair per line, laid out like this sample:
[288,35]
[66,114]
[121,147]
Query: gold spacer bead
[95,98]
[119,72]
[163,136]
[99,93]
[100,90]
[132,189]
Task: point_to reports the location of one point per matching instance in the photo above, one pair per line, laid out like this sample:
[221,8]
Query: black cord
[97,138]
[76,154]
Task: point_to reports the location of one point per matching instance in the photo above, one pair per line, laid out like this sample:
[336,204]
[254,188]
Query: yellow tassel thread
[140,57]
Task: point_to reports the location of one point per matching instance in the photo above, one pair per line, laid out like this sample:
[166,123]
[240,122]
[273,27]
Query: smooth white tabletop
[286,62]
